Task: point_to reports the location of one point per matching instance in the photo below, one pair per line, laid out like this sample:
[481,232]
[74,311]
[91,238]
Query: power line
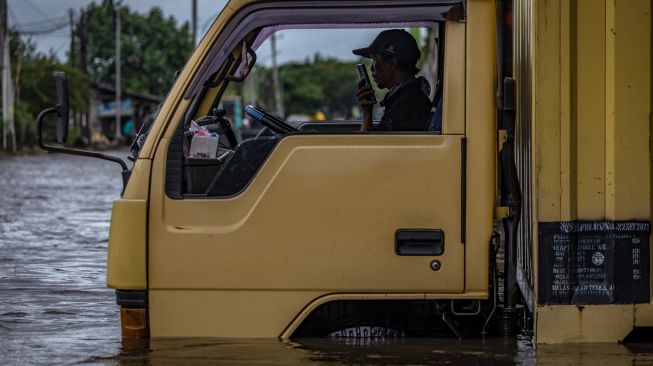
[33,23]
[36,8]
[41,28]
[13,16]
[55,35]
[37,27]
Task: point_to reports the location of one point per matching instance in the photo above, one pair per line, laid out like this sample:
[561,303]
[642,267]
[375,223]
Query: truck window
[303,82]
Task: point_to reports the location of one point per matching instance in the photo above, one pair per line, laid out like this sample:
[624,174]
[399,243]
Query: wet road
[55,308]
[54,226]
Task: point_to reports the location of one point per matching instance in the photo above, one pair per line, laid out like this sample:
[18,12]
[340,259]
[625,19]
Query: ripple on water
[54,214]
[8,218]
[14,314]
[57,311]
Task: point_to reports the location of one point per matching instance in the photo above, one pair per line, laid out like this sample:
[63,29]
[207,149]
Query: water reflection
[499,351]
[607,354]
[325,352]
[56,309]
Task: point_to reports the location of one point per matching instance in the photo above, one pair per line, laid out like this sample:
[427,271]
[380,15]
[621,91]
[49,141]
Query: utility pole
[8,134]
[118,86]
[194,21]
[71,56]
[71,16]
[252,87]
[83,66]
[83,42]
[276,84]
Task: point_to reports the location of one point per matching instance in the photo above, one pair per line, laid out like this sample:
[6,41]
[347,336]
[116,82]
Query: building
[134,109]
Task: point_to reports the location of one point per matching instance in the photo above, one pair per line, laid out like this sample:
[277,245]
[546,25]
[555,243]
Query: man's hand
[363,95]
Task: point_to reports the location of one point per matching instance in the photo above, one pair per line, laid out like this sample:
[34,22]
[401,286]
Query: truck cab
[316,213]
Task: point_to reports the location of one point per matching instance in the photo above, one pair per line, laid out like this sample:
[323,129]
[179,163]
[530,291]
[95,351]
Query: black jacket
[406,109]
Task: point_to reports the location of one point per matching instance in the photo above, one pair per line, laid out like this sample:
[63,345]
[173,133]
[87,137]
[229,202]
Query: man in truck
[407,107]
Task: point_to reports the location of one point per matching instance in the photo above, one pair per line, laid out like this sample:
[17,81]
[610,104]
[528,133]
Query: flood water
[55,308]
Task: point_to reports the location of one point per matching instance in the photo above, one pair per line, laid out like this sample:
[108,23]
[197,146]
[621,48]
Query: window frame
[254,18]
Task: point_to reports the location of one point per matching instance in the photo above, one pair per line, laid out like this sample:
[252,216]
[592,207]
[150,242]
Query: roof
[110,89]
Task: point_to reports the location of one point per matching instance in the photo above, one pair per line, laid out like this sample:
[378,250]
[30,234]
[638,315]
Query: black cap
[395,43]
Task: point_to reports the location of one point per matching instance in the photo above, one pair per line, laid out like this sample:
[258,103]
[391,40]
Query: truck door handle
[419,242]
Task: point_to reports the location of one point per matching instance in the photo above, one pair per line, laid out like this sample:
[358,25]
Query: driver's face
[381,70]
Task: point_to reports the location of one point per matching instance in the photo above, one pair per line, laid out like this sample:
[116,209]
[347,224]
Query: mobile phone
[363,75]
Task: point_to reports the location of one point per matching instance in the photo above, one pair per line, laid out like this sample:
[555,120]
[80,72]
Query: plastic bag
[204,143]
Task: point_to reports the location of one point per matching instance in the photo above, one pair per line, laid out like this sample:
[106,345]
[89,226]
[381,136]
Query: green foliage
[25,125]
[153,48]
[35,88]
[321,84]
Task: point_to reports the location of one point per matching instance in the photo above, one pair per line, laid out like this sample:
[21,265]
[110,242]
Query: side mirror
[62,112]
[62,106]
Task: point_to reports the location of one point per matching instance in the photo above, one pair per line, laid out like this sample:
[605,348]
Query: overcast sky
[293,45]
[29,11]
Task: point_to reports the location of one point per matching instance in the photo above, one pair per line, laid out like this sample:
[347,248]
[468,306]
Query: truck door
[325,214]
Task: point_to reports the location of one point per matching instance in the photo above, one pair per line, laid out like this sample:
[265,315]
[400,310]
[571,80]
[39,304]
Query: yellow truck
[315,229]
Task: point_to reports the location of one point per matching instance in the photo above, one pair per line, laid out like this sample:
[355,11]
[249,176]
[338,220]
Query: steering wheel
[275,124]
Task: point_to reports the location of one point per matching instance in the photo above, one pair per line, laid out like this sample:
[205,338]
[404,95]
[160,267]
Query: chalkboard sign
[594,262]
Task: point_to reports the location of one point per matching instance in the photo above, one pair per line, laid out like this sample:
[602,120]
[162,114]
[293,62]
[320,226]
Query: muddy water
[55,308]
[54,221]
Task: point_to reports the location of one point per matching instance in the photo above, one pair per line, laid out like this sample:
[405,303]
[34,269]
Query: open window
[291,73]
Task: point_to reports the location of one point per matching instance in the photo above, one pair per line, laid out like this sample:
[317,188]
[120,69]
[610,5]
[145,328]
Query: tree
[322,84]
[153,48]
[35,87]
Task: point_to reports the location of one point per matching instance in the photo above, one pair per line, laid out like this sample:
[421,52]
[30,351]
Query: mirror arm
[66,150]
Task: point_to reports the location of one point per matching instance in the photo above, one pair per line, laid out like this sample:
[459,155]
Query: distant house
[134,109]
